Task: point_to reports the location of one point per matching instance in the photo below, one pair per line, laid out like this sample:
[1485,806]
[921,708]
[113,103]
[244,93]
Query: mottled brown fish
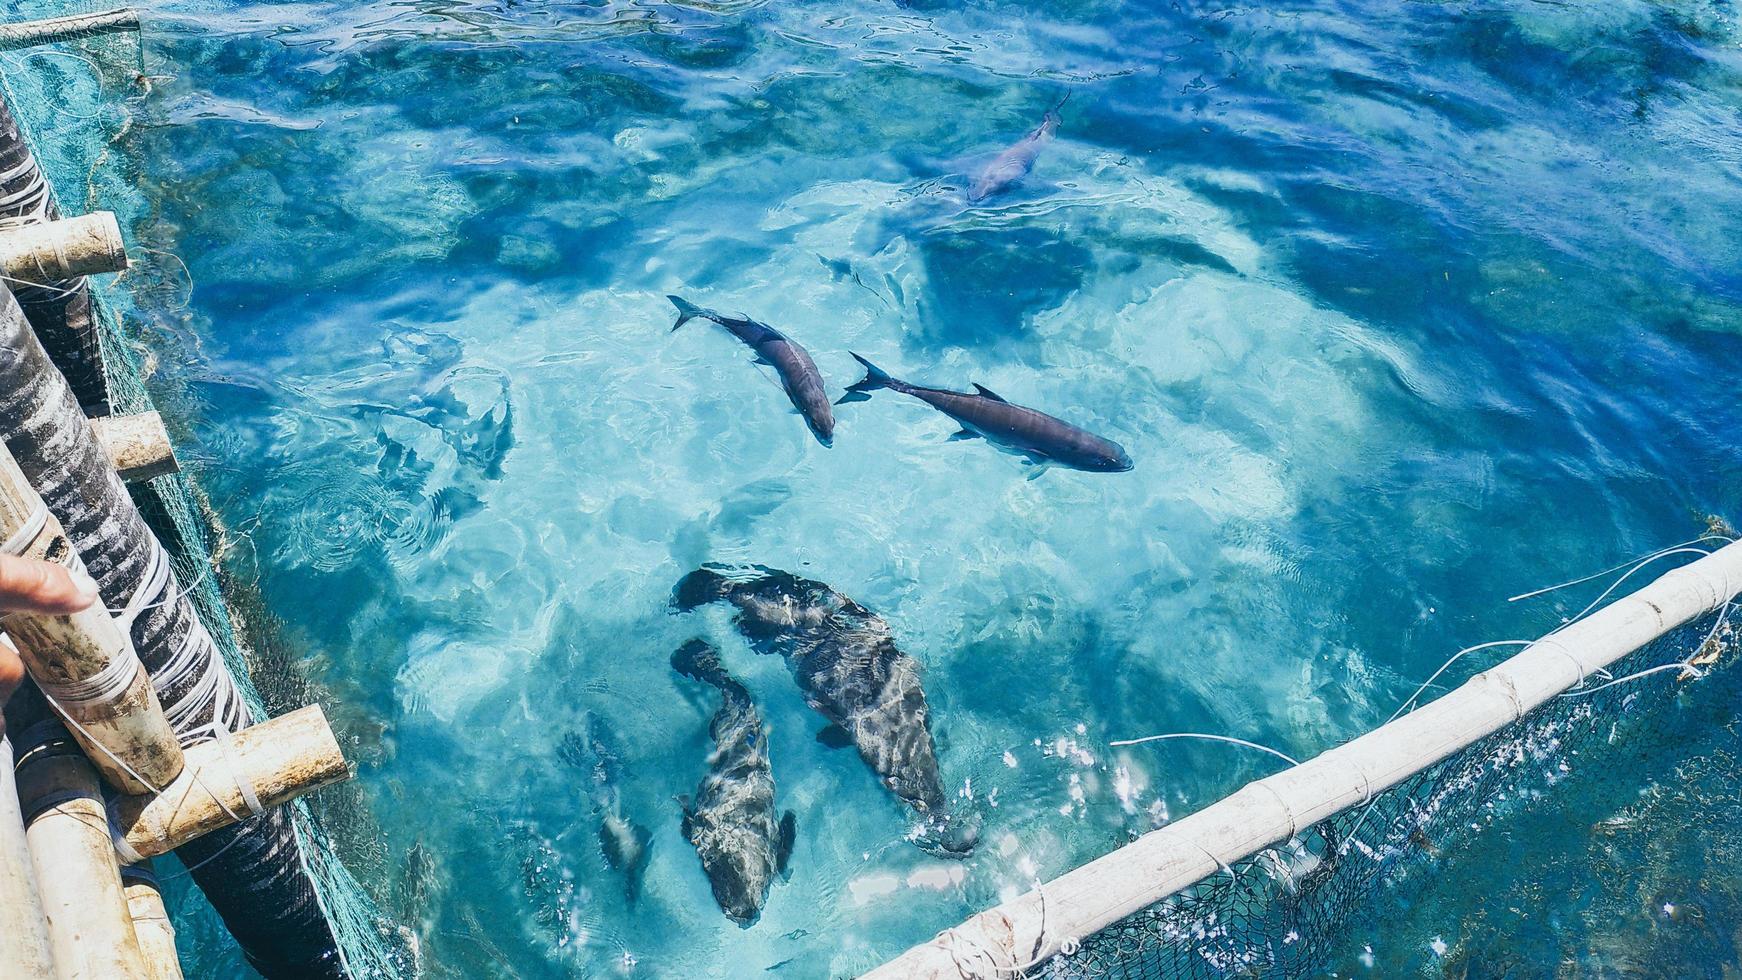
[731,821]
[851,672]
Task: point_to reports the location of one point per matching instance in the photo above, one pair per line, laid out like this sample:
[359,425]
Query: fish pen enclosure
[203,768]
[1262,882]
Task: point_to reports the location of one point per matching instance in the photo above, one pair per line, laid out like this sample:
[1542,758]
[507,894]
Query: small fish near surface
[1044,440]
[798,373]
[732,822]
[851,672]
[624,843]
[1009,167]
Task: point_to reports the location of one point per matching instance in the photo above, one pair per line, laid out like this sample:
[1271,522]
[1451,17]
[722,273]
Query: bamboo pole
[76,872]
[67,248]
[1030,929]
[228,779]
[24,949]
[256,874]
[151,921]
[84,661]
[30,33]
[138,445]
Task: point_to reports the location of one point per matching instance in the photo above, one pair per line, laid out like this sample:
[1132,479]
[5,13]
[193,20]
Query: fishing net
[1283,911]
[81,102]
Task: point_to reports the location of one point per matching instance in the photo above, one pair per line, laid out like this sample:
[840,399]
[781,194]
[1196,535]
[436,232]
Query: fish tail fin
[686,311]
[875,378]
[699,660]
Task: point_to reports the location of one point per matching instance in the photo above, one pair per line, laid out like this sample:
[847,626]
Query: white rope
[244,785]
[91,740]
[1454,659]
[103,687]
[20,539]
[150,586]
[1214,738]
[1616,568]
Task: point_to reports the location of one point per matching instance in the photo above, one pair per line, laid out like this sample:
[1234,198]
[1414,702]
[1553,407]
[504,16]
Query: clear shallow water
[1399,310]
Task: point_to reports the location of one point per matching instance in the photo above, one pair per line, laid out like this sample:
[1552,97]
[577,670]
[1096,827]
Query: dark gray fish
[625,844]
[850,672]
[1009,167]
[1036,435]
[798,373]
[731,822]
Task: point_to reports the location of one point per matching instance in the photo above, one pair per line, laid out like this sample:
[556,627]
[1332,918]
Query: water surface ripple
[1400,309]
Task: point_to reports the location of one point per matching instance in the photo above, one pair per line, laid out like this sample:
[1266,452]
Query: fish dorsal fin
[986,392]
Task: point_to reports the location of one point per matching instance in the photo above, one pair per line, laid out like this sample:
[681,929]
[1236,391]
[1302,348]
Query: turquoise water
[1399,310]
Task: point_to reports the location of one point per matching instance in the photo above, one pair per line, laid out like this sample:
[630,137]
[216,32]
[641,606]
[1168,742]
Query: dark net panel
[1283,912]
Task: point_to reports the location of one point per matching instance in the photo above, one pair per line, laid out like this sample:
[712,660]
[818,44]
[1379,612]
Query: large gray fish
[731,822]
[624,843]
[850,672]
[798,373]
[1024,431]
[1009,167]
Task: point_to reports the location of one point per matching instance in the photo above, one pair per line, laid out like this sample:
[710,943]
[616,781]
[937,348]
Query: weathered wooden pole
[137,445]
[24,948]
[151,921]
[60,311]
[231,779]
[255,873]
[76,872]
[51,30]
[83,663]
[62,249]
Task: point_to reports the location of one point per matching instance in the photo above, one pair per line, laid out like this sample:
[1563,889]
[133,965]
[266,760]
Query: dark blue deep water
[1400,309]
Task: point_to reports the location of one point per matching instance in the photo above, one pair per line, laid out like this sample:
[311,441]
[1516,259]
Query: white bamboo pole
[1030,929]
[138,445]
[24,949]
[84,662]
[55,251]
[76,872]
[231,778]
[29,33]
[151,922]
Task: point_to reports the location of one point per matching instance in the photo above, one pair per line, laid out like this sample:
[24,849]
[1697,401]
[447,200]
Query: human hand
[28,585]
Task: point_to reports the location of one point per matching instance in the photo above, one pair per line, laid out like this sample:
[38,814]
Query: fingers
[28,585]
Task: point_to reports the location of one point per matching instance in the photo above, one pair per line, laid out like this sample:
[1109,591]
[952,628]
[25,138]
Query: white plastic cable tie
[151,585]
[244,785]
[92,740]
[20,539]
[124,851]
[103,687]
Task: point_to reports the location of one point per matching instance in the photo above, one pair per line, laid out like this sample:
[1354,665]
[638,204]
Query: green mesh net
[82,100]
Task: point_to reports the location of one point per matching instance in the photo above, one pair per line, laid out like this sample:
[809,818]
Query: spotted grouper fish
[798,373]
[732,821]
[851,672]
[1039,437]
[1009,167]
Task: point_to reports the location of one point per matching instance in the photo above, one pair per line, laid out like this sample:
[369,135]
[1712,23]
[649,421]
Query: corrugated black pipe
[60,311]
[255,873]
